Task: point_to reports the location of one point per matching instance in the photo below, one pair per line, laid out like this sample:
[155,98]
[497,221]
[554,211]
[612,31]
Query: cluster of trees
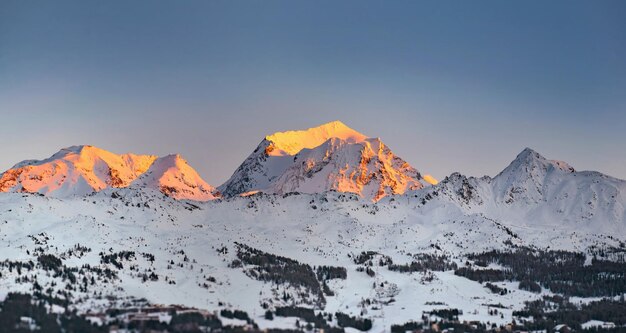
[117,258]
[361,324]
[149,277]
[562,272]
[530,285]
[551,311]
[447,314]
[319,321]
[77,250]
[50,262]
[368,270]
[453,326]
[367,258]
[609,252]
[102,273]
[424,262]
[325,273]
[482,275]
[192,321]
[75,278]
[238,314]
[279,270]
[407,327]
[148,256]
[305,314]
[19,266]
[17,305]
[331,272]
[495,289]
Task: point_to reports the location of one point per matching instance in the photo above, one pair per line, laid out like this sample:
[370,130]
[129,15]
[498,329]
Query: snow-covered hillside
[80,170]
[184,252]
[328,157]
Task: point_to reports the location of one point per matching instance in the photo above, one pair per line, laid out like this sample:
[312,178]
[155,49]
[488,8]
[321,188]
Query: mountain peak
[329,157]
[529,153]
[75,149]
[174,177]
[529,158]
[173,159]
[525,178]
[290,143]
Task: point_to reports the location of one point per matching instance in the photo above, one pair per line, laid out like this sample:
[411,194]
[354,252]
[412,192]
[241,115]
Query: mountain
[330,157]
[80,170]
[172,176]
[524,181]
[486,251]
[533,190]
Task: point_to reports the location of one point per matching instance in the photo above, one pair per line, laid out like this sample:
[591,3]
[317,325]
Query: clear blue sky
[449,86]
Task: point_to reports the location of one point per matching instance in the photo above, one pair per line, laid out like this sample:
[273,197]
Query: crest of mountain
[330,157]
[535,190]
[80,170]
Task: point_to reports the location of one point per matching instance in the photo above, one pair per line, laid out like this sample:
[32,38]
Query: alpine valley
[323,229]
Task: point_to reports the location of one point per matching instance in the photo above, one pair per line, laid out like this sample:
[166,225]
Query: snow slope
[317,229]
[328,157]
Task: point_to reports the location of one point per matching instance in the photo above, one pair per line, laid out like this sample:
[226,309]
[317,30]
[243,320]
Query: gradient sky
[449,86]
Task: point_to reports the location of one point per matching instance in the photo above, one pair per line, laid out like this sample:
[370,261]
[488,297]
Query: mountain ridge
[534,190]
[81,170]
[307,161]
[329,157]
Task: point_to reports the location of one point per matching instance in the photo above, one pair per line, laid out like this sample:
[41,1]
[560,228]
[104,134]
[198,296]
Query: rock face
[80,170]
[330,157]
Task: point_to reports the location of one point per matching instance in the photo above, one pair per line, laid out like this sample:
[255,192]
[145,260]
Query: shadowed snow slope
[80,170]
[329,157]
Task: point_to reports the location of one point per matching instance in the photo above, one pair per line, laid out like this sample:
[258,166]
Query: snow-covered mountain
[324,158]
[533,190]
[172,176]
[404,256]
[80,170]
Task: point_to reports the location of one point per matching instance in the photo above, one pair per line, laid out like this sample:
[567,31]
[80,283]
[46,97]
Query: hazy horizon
[447,87]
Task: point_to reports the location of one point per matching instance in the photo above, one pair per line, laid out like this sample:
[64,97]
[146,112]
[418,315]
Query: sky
[447,85]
